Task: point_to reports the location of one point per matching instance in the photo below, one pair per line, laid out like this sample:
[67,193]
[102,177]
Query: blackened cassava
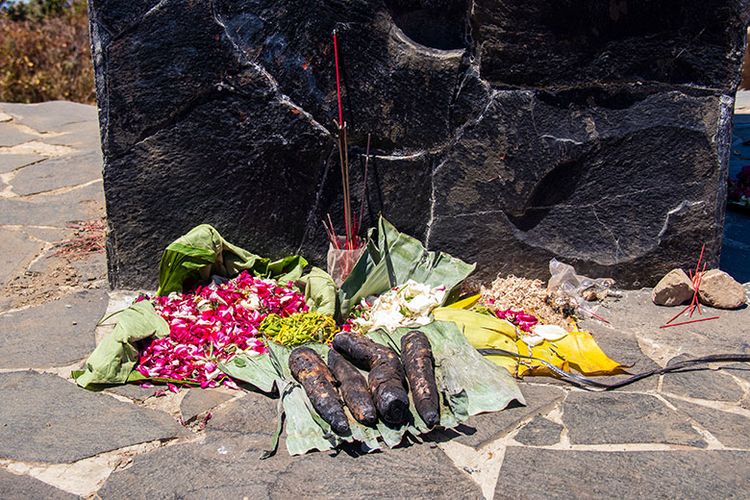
[310,370]
[416,354]
[386,379]
[353,387]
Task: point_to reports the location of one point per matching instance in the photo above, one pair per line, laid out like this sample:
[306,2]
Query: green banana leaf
[469,384]
[392,258]
[202,252]
[115,357]
[320,291]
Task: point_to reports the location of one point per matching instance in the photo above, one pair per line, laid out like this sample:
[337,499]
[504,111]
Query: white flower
[409,304]
[549,332]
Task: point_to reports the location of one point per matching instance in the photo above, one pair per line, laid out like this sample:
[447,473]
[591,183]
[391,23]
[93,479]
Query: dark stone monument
[505,132]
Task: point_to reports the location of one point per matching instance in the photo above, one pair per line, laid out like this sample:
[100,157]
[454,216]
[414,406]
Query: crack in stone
[616,241]
[684,206]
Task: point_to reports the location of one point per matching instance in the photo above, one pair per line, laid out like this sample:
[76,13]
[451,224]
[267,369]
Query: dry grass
[46,59]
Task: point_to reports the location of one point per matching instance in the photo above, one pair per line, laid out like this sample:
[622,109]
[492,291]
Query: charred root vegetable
[416,354]
[353,387]
[386,380]
[310,370]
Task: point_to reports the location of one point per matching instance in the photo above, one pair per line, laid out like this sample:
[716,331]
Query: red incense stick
[689,322]
[338,78]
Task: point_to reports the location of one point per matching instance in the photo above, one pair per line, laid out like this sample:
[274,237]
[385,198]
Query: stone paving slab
[731,429]
[543,474]
[47,419]
[618,418]
[480,430]
[12,136]
[58,333]
[716,385]
[82,203]
[9,162]
[17,250]
[540,432]
[49,116]
[199,401]
[79,135]
[225,467]
[13,486]
[636,314]
[46,175]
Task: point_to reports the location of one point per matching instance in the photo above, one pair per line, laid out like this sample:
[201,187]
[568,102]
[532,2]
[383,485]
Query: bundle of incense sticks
[696,276]
[351,221]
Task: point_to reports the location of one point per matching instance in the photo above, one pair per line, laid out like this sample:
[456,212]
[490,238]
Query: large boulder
[505,132]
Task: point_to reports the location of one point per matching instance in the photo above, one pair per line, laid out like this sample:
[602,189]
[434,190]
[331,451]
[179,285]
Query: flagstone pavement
[684,435]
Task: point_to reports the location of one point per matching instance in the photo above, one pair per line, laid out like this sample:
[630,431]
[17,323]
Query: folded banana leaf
[392,258]
[115,357]
[320,291]
[469,384]
[203,252]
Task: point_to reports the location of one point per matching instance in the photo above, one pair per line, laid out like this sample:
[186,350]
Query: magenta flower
[211,324]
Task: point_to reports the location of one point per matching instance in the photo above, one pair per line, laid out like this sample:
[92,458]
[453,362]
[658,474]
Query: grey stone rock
[50,116]
[477,151]
[673,289]
[10,135]
[200,401]
[17,250]
[48,419]
[56,173]
[616,418]
[57,333]
[541,474]
[483,429]
[8,163]
[211,469]
[54,210]
[714,385]
[14,486]
[718,289]
[731,429]
[540,432]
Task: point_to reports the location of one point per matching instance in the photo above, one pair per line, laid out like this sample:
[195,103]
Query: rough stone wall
[504,131]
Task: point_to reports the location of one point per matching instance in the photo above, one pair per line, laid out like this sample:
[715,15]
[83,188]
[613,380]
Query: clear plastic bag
[565,284]
[342,261]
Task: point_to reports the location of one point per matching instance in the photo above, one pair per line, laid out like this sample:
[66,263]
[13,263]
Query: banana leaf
[392,258]
[115,357]
[320,291]
[469,384]
[202,252]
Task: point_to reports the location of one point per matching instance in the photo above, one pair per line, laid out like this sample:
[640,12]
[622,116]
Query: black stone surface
[506,133]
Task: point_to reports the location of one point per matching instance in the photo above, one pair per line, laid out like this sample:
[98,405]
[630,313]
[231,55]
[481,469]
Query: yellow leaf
[475,319]
[545,351]
[484,332]
[466,303]
[584,354]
